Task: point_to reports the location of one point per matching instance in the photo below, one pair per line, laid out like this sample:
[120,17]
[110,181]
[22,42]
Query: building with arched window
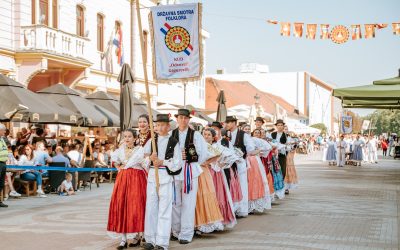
[81,44]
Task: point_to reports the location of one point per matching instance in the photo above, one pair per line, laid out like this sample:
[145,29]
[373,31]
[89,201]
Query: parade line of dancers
[206,181]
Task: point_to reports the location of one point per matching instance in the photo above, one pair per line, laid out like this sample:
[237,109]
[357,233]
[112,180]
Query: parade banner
[298,29]
[396,28]
[356,32]
[369,31]
[311,31]
[347,124]
[325,31]
[285,29]
[177,45]
[365,125]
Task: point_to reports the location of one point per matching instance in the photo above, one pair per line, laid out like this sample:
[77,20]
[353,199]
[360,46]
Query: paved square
[333,208]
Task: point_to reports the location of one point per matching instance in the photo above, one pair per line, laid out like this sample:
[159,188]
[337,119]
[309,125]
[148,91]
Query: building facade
[81,44]
[308,94]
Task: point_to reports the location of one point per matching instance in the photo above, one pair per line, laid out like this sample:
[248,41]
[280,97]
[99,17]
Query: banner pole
[146,82]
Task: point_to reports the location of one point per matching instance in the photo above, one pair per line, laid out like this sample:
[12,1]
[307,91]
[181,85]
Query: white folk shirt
[281,147]
[137,159]
[173,164]
[201,150]
[247,141]
[262,145]
[341,147]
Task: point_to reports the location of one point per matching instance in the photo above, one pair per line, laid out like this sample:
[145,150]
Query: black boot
[3,205]
[122,246]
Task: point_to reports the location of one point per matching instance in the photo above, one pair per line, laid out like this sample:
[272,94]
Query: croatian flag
[118,43]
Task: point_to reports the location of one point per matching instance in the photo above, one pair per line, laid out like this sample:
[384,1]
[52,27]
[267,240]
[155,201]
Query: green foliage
[320,126]
[385,121]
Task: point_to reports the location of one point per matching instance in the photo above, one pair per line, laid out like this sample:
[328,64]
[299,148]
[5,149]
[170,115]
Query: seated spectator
[74,155]
[28,159]
[60,157]
[42,157]
[66,186]
[9,181]
[102,161]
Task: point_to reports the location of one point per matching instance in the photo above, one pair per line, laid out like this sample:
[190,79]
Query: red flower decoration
[192,112]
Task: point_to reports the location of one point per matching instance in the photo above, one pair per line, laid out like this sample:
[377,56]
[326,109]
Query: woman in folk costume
[291,173]
[144,130]
[264,147]
[273,161]
[208,216]
[127,206]
[357,155]
[225,161]
[255,182]
[331,152]
[230,173]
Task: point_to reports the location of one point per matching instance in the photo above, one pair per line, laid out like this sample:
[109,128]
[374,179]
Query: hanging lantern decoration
[356,32]
[311,31]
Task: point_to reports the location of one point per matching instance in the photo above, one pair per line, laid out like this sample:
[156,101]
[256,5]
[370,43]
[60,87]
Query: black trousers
[3,168]
[282,162]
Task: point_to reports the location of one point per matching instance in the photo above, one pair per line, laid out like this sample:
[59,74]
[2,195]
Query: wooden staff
[146,82]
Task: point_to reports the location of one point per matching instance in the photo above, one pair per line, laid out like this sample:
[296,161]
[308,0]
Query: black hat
[231,118]
[216,124]
[279,121]
[163,118]
[184,112]
[258,118]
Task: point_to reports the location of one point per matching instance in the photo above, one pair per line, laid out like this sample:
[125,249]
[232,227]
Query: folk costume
[159,206]
[186,183]
[127,206]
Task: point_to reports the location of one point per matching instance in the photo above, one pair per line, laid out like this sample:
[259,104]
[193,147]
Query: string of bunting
[338,34]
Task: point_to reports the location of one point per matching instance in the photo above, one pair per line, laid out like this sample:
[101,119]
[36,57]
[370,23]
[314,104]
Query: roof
[243,92]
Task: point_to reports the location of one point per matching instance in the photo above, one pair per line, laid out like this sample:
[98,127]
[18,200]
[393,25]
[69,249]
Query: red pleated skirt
[128,202]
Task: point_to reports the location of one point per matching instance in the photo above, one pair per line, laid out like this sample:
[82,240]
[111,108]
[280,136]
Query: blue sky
[239,33]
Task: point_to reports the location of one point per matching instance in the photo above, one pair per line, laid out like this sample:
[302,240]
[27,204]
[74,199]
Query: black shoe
[158,248]
[184,242]
[3,205]
[148,246]
[173,238]
[136,244]
[286,191]
[120,247]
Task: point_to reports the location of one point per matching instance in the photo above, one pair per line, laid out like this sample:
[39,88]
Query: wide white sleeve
[201,147]
[137,159]
[174,163]
[116,156]
[249,143]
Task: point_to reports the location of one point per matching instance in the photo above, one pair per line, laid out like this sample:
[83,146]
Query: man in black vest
[242,141]
[168,159]
[259,122]
[194,152]
[281,139]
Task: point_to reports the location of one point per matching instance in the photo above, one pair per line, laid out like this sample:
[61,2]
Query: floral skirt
[291,174]
[208,216]
[128,202]
[224,198]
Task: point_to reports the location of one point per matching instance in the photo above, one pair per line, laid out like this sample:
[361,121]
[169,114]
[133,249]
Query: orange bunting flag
[298,29]
[272,21]
[381,25]
[396,28]
[285,29]
[325,31]
[311,31]
[369,31]
[356,32]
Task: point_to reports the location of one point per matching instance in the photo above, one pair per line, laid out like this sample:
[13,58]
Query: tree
[385,121]
[320,126]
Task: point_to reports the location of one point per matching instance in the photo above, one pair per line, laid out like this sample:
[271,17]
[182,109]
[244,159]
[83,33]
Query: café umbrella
[221,111]
[126,79]
[87,114]
[19,104]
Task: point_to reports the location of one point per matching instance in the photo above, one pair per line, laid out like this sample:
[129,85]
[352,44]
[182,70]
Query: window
[44,12]
[100,32]
[55,13]
[80,21]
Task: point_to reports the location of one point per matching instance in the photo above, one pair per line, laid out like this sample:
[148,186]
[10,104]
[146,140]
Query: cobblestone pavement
[333,208]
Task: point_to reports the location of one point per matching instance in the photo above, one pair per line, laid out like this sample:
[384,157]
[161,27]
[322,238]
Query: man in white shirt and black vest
[168,159]
[242,141]
[194,153]
[280,137]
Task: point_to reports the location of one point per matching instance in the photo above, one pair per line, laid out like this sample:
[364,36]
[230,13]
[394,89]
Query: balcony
[41,38]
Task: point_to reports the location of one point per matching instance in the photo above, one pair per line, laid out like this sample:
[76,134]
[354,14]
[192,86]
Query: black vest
[239,142]
[283,139]
[190,149]
[169,153]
